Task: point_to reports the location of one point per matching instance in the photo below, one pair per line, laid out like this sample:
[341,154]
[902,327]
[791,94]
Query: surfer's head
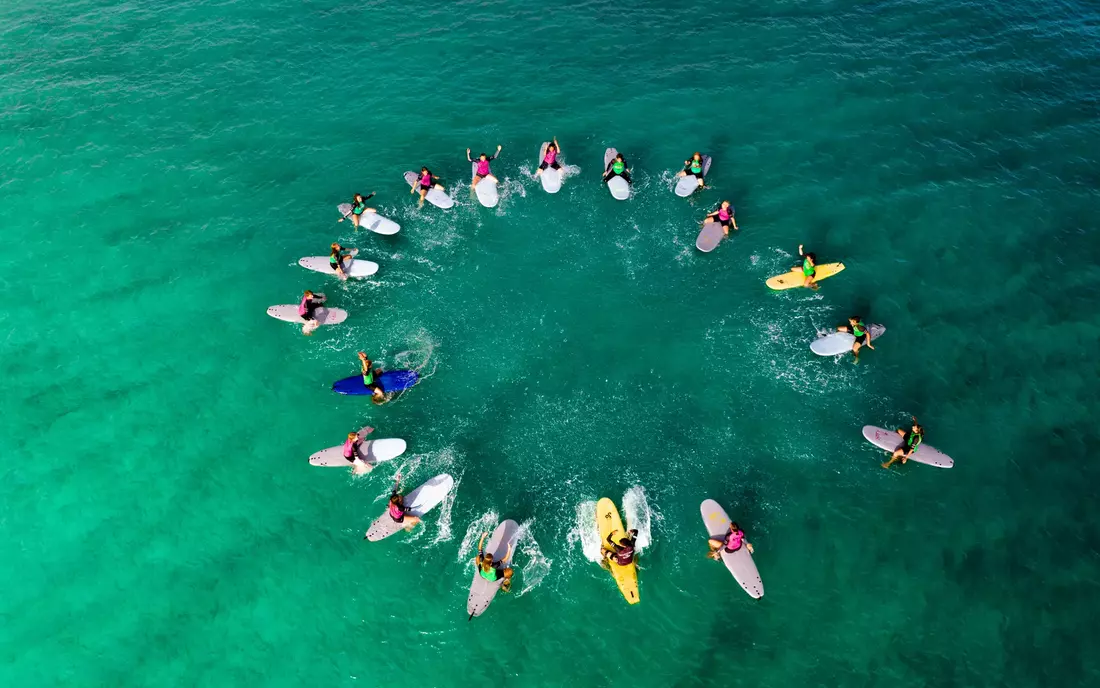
[483,157]
[358,198]
[696,156]
[734,527]
[308,294]
[353,435]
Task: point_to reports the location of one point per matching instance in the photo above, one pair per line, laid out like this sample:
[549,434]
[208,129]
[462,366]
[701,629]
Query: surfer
[910,440]
[370,378]
[307,307]
[493,571]
[730,542]
[358,207]
[424,183]
[550,158]
[723,216]
[617,168]
[482,171]
[694,166]
[863,336]
[399,512]
[809,268]
[623,551]
[351,453]
[336,258]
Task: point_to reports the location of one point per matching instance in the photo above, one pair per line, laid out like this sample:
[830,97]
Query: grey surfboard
[288,312]
[551,178]
[618,186]
[371,452]
[689,183]
[353,267]
[438,198]
[482,591]
[372,221]
[890,440]
[841,342]
[420,501]
[709,237]
[739,563]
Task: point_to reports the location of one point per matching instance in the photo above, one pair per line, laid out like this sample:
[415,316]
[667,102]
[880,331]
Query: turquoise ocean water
[164,165]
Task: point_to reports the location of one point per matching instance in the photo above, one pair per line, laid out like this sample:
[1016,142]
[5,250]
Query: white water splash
[638,515]
[538,565]
[586,532]
[482,524]
[444,521]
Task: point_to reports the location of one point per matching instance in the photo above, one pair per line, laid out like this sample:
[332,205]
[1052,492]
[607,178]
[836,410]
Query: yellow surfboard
[792,279]
[607,517]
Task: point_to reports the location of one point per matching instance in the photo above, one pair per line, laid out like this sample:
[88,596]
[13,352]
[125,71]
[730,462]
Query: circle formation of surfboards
[689,183]
[889,440]
[841,342]
[371,452]
[353,267]
[372,221]
[435,196]
[486,190]
[619,187]
[550,177]
[739,563]
[501,546]
[288,312]
[418,502]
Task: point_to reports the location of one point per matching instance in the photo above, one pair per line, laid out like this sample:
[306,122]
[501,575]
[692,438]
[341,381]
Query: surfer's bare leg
[411,521]
[423,193]
[474,181]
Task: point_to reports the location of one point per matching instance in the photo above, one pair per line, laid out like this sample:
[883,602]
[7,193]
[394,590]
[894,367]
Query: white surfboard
[841,342]
[709,236]
[739,563]
[353,267]
[618,186]
[420,501]
[372,221]
[438,198]
[288,312]
[371,452]
[551,178]
[482,591]
[689,183]
[486,191]
[890,440]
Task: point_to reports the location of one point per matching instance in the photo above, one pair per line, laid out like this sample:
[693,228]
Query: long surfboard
[420,501]
[890,440]
[609,522]
[501,546]
[739,563]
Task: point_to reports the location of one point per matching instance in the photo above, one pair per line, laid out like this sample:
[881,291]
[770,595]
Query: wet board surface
[841,342]
[689,184]
[420,501]
[438,198]
[550,178]
[793,279]
[354,267]
[618,186]
[482,591]
[739,563]
[609,522]
[372,221]
[890,440]
[486,190]
[391,381]
[288,312]
[370,452]
[709,237]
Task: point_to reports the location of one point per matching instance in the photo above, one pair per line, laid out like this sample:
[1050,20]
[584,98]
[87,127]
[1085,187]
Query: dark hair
[625,541]
[811,255]
[855,317]
[734,526]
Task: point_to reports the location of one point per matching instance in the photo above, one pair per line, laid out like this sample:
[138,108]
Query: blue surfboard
[391,381]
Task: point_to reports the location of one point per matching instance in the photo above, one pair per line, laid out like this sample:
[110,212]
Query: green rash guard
[617,167]
[859,330]
[807,267]
[696,167]
[490,575]
[368,378]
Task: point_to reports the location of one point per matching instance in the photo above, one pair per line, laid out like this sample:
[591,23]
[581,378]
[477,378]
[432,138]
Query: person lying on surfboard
[809,268]
[424,183]
[730,542]
[370,378]
[863,336]
[399,512]
[617,168]
[910,440]
[694,166]
[550,159]
[358,207]
[482,167]
[623,552]
[493,571]
[723,216]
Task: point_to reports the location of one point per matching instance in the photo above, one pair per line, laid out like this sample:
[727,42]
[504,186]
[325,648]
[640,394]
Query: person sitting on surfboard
[358,207]
[482,171]
[306,309]
[863,336]
[623,552]
[694,166]
[809,268]
[617,168]
[351,447]
[550,159]
[399,512]
[425,182]
[370,378]
[336,259]
[730,542]
[723,216]
[910,440]
[493,571]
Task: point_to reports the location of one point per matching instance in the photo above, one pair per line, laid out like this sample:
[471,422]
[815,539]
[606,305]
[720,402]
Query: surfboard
[793,279]
[371,452]
[438,198]
[390,380]
[626,577]
[689,183]
[890,440]
[709,236]
[353,267]
[482,591]
[486,191]
[841,342]
[739,563]
[288,312]
[618,186]
[551,178]
[420,501]
[372,221]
